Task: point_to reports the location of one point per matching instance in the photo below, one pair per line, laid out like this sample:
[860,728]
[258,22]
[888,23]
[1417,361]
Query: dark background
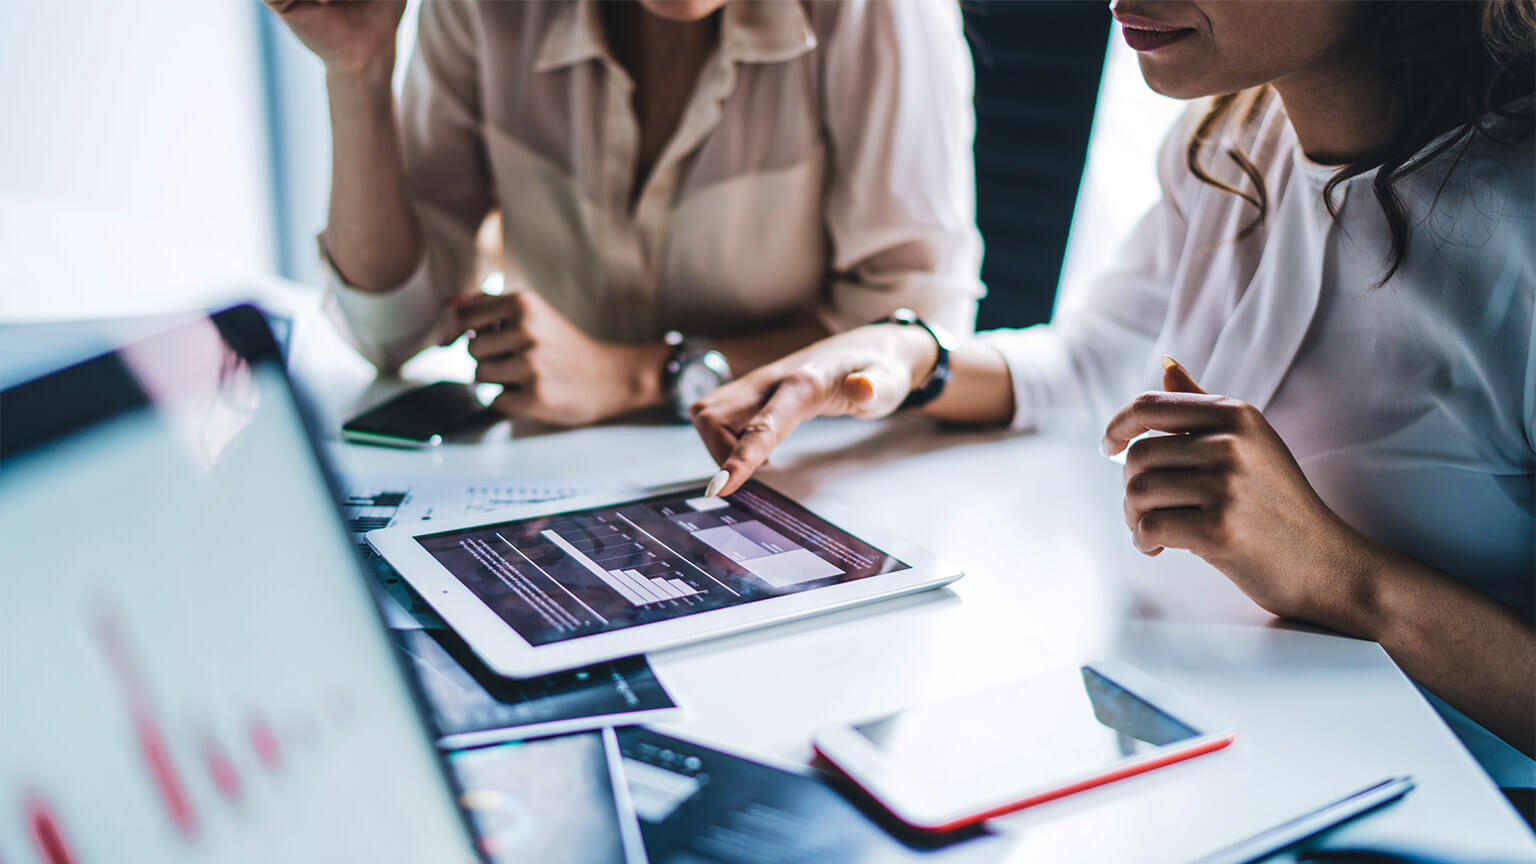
[1038,65]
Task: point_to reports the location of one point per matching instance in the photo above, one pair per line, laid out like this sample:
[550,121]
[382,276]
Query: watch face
[696,380]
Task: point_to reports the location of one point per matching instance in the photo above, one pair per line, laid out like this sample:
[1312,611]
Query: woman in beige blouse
[754,174]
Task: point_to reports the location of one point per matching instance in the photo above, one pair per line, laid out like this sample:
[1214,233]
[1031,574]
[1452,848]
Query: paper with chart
[373,501]
[471,706]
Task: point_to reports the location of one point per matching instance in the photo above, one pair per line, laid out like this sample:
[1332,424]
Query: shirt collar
[765,31]
[574,36]
[751,31]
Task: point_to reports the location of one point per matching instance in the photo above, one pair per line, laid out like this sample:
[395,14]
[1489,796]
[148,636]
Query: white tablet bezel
[507,653]
[629,820]
[867,766]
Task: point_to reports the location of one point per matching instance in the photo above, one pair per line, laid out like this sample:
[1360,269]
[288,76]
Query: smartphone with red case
[950,764]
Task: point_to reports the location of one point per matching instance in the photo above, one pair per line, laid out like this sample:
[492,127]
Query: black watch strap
[933,385]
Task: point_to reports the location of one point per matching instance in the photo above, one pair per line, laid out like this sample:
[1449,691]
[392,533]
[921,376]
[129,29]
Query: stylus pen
[1272,840]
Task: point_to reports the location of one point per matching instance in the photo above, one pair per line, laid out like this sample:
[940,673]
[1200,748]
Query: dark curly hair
[1452,66]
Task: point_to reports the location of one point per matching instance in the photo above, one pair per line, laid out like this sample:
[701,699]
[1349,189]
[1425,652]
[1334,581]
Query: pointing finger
[793,401]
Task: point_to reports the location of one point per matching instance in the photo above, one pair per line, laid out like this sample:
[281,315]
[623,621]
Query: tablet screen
[566,575]
[559,800]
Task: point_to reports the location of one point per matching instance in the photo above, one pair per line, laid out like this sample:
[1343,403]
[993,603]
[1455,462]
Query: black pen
[1293,831]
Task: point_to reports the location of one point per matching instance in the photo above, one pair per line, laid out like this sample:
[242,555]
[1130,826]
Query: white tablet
[568,583]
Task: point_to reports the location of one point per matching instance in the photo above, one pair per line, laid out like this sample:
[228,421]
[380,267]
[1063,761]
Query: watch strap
[933,385]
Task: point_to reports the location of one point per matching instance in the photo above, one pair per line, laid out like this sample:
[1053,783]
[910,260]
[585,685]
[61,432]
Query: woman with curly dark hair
[1343,258]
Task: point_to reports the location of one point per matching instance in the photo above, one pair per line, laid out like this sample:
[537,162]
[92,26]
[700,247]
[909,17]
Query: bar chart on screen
[618,561]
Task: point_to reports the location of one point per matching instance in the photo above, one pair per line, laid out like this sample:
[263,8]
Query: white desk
[1051,580]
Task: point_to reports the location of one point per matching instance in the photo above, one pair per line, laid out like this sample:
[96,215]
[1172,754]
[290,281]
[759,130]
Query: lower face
[1193,48]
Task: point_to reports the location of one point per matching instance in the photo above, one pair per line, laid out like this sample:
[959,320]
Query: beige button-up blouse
[821,169]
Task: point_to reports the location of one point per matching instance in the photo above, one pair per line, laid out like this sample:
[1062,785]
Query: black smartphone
[422,417]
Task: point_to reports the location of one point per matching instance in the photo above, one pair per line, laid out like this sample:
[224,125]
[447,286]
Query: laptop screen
[192,667]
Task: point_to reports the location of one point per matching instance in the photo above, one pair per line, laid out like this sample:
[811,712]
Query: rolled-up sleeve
[901,202]
[1093,355]
[450,188]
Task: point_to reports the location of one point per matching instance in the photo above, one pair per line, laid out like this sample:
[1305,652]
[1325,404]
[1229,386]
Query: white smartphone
[951,764]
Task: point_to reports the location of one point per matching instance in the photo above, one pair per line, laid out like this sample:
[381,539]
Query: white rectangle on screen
[790,568]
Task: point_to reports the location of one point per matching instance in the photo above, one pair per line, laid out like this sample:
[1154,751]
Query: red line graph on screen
[151,741]
[259,742]
[44,827]
[225,779]
[265,743]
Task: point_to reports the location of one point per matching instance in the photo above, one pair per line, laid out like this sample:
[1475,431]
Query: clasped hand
[550,370]
[1223,485]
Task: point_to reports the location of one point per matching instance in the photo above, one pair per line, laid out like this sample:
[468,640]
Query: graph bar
[364,524]
[660,586]
[683,587]
[642,586]
[153,747]
[628,591]
[624,590]
[377,499]
[567,548]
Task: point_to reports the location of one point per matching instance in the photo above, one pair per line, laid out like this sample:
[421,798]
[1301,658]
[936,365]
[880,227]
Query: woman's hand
[550,369]
[865,372]
[348,37]
[1224,486]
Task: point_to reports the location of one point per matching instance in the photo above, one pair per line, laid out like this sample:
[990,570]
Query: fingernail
[1169,362]
[865,390]
[1103,446]
[717,483]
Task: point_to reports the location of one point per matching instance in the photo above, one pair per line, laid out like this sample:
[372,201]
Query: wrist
[918,350]
[367,77]
[1351,597]
[641,366]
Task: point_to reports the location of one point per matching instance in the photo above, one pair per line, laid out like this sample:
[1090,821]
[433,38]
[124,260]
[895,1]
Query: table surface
[1051,581]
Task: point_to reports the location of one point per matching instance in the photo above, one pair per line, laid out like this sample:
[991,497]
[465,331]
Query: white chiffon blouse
[1410,406]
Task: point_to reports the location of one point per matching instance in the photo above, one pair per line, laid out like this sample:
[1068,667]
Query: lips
[1144,34]
[1151,40]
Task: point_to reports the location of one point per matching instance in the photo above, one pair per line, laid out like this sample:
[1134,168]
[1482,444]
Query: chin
[682,10]
[1173,83]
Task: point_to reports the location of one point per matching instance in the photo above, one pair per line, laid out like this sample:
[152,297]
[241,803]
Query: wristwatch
[692,371]
[933,385]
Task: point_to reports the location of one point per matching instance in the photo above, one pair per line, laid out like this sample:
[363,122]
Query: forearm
[1457,642]
[371,235]
[980,390]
